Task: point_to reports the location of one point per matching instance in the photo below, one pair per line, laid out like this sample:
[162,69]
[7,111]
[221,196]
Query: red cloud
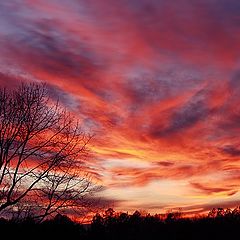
[157,82]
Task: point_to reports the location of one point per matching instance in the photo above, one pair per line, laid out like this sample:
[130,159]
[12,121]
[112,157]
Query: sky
[157,83]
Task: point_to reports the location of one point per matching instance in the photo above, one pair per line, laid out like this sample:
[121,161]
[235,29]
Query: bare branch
[41,148]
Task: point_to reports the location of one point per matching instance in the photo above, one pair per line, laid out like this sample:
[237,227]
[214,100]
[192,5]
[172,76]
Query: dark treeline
[218,224]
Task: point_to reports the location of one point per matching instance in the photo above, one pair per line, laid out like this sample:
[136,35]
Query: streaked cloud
[157,82]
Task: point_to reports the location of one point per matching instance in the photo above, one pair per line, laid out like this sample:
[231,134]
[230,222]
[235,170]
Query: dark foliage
[219,224]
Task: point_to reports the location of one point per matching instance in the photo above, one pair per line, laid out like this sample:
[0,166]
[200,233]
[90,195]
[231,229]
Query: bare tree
[42,153]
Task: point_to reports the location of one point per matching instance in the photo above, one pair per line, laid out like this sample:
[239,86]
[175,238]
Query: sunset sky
[156,81]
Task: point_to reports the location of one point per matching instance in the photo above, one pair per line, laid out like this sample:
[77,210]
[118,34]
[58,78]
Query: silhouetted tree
[212,213]
[236,212]
[219,224]
[173,216]
[42,153]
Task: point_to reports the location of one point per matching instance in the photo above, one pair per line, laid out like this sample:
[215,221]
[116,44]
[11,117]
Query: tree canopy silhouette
[42,155]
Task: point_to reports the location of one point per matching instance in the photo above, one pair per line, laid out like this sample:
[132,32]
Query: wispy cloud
[156,81]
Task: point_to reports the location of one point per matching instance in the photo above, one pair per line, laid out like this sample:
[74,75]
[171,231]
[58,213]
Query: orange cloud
[156,81]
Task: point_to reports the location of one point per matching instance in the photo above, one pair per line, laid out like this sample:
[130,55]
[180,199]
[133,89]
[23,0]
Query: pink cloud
[156,81]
